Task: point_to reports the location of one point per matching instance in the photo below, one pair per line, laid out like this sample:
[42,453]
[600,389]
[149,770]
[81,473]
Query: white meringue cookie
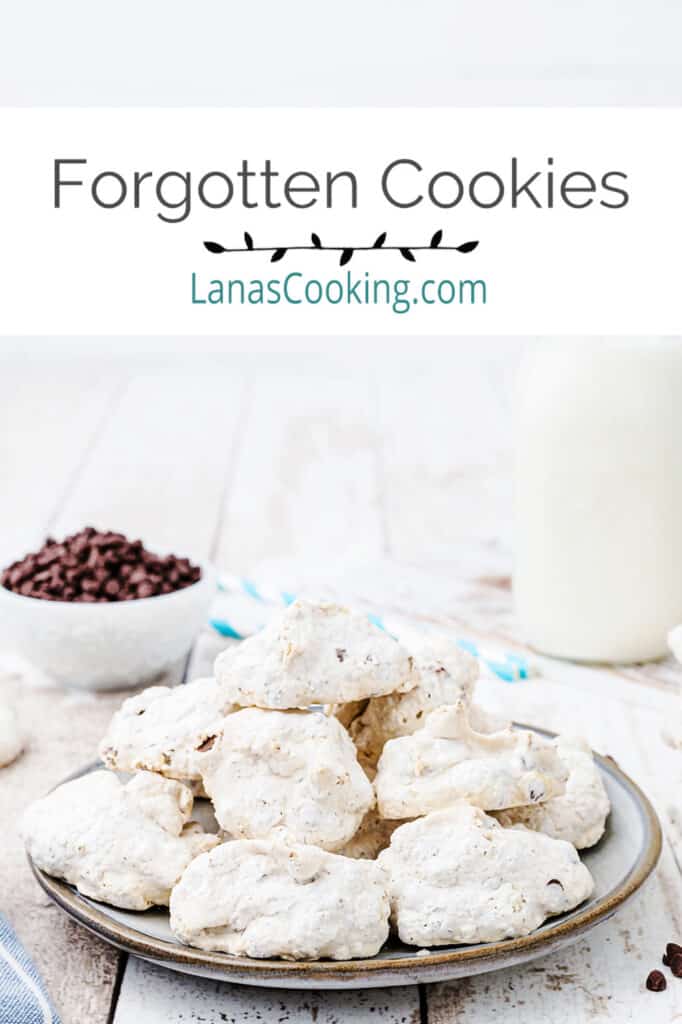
[267,898]
[456,876]
[294,771]
[371,838]
[579,814]
[445,674]
[448,761]
[314,654]
[161,729]
[126,845]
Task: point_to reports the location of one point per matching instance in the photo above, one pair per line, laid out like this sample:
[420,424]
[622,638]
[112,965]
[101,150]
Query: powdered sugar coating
[456,876]
[314,654]
[267,898]
[294,771]
[126,845]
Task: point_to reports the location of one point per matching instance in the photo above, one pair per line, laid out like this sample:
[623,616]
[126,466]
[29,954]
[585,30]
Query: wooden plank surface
[153,461]
[305,492]
[48,422]
[154,995]
[446,447]
[79,970]
[159,466]
[602,977]
[367,480]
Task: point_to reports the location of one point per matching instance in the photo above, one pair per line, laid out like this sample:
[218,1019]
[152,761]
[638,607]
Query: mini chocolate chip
[672,949]
[79,548]
[656,982]
[676,964]
[340,653]
[47,556]
[97,566]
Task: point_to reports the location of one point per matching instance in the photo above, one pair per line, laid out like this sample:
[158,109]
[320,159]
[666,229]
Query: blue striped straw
[241,609]
[259,592]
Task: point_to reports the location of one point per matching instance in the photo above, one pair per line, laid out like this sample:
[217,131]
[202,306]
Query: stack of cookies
[355,786]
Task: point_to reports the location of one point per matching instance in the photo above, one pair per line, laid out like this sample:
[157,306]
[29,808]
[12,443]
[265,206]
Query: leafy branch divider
[406,251]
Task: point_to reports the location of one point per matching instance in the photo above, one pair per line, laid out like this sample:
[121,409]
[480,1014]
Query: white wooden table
[389,482]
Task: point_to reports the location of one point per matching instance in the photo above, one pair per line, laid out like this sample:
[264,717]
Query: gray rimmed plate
[620,863]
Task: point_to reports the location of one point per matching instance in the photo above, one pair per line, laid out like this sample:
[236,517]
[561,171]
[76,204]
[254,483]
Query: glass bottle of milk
[598,560]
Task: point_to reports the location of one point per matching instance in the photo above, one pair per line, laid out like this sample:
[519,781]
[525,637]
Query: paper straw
[242,608]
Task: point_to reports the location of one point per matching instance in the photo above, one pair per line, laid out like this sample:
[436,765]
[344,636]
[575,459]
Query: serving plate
[620,863]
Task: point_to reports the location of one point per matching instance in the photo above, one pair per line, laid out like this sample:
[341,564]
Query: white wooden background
[387,480]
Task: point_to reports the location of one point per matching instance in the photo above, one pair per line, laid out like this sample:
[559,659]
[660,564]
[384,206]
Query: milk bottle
[598,554]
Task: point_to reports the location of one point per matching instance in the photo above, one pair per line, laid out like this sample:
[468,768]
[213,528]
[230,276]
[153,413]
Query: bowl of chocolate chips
[99,611]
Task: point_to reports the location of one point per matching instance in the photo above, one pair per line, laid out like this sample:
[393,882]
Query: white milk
[598,572]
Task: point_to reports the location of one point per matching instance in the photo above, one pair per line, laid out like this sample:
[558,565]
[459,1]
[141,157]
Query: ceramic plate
[620,863]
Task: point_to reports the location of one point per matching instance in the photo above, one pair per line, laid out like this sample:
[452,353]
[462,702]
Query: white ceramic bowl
[106,646]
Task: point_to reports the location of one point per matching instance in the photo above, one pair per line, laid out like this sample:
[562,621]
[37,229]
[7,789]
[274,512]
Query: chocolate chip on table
[675,964]
[656,982]
[672,949]
[97,566]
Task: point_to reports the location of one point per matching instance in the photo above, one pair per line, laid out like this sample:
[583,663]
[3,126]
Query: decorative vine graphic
[347,251]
